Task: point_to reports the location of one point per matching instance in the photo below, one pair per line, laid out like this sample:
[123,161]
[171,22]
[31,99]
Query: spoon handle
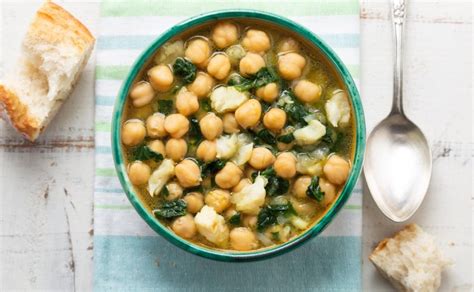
[398,19]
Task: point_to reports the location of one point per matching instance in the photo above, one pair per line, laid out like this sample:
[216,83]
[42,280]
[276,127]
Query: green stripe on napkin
[175,8]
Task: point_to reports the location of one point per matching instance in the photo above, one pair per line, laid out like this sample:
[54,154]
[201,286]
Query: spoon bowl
[397,166]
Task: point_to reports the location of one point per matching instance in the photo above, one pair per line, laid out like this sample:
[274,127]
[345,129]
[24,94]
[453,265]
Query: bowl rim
[225,255]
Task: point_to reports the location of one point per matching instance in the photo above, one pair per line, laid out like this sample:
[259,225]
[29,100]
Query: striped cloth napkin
[128,255]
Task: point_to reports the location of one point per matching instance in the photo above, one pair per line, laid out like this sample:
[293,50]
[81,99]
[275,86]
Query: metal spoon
[398,158]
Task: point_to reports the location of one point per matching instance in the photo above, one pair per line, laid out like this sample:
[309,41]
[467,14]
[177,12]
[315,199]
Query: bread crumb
[410,260]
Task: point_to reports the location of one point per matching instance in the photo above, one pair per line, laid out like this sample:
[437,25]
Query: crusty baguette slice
[410,260]
[54,52]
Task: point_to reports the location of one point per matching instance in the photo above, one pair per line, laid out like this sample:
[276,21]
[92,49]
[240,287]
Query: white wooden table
[46,188]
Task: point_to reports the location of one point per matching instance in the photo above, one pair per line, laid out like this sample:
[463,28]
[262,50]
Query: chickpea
[235,53]
[261,158]
[230,124]
[155,126]
[142,94]
[198,51]
[248,114]
[224,34]
[133,132]
[329,191]
[211,126]
[194,201]
[138,173]
[218,199]
[161,77]
[184,226]
[176,149]
[219,66]
[250,221]
[202,85]
[336,169]
[256,41]
[251,64]
[186,102]
[158,147]
[288,45]
[285,165]
[269,92]
[175,191]
[305,208]
[176,125]
[291,65]
[188,173]
[307,91]
[274,119]
[207,151]
[229,176]
[301,186]
[242,184]
[242,238]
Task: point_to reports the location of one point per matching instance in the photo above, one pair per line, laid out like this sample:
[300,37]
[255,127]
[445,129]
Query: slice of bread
[410,260]
[54,52]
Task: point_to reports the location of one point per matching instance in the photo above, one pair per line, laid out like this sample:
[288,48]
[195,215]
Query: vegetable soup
[238,135]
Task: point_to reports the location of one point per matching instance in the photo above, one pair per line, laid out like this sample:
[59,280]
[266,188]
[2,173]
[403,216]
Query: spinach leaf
[240,83]
[212,167]
[269,172]
[194,134]
[264,137]
[143,152]
[314,191]
[184,69]
[235,219]
[265,106]
[171,209]
[165,106]
[165,192]
[268,215]
[279,208]
[295,110]
[205,105]
[286,138]
[276,185]
[287,209]
[265,218]
[263,77]
[332,139]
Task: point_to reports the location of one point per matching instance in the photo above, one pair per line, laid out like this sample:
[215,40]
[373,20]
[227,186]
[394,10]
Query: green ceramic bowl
[274,20]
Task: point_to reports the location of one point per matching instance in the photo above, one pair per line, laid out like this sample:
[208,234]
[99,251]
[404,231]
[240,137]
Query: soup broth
[238,135]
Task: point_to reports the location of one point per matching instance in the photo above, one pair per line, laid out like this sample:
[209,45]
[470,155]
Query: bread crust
[54,25]
[411,228]
[19,114]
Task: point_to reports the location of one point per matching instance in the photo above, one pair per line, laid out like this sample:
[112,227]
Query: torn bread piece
[410,260]
[55,50]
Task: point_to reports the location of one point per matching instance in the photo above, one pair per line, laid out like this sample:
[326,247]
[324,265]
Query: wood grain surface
[46,187]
